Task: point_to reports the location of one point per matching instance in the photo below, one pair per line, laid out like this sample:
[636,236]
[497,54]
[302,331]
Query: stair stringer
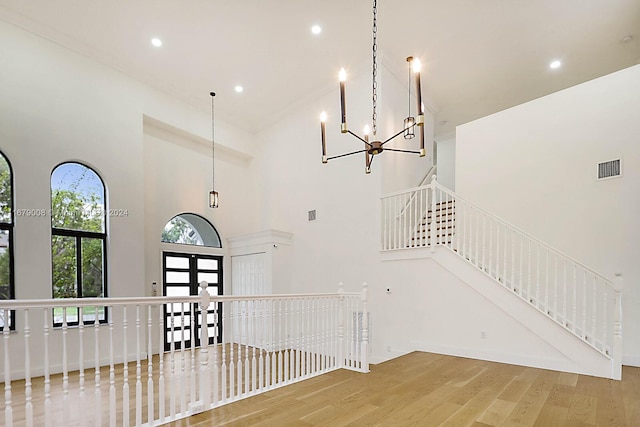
[584,358]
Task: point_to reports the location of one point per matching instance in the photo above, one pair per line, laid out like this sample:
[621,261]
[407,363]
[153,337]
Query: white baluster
[617,329]
[575,300]
[48,416]
[8,409]
[232,361]
[82,404]
[192,340]
[205,300]
[513,260]
[280,353]
[364,361]
[341,309]
[254,343]
[247,328]
[274,344]
[223,368]
[286,341]
[529,266]
[432,223]
[547,264]
[239,355]
[605,318]
[138,370]
[584,304]
[125,358]
[297,339]
[216,340]
[112,375]
[521,276]
[28,407]
[504,255]
[538,278]
[183,376]
[65,370]
[96,354]
[150,416]
[477,233]
[488,267]
[172,362]
[556,297]
[594,310]
[161,395]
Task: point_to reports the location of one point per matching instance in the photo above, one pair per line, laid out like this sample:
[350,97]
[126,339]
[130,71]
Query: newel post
[340,355]
[205,300]
[617,328]
[365,329]
[432,222]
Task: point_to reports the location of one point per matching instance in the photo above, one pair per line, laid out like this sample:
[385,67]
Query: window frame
[78,235]
[9,227]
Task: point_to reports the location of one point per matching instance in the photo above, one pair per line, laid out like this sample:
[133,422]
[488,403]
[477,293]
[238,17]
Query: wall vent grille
[312,215]
[609,169]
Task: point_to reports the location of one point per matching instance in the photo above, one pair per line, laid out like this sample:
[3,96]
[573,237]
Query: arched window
[78,237]
[7,290]
[191,229]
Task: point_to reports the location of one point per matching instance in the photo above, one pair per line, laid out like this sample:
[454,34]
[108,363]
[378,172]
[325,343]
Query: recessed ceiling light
[316,29]
[626,39]
[555,64]
[239,89]
[156,42]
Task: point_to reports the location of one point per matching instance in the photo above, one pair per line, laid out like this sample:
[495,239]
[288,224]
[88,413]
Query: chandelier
[213,194]
[374,146]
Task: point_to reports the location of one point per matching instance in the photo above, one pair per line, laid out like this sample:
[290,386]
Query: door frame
[194,289]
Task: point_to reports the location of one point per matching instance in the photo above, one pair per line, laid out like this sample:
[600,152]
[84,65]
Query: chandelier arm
[360,138]
[346,154]
[402,151]
[398,134]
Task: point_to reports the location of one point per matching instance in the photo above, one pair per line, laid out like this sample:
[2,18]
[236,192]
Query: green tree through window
[78,237]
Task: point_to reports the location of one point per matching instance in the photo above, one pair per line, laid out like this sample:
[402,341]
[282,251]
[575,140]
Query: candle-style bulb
[366,130]
[342,75]
[416,65]
[323,116]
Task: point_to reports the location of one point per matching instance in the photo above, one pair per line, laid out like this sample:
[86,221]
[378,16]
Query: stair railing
[581,300]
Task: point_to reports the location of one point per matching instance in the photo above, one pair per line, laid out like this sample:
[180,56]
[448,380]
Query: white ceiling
[479,56]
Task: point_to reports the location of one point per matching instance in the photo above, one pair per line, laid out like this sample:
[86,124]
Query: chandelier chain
[374,95]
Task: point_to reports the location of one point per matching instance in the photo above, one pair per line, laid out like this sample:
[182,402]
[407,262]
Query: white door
[248,277]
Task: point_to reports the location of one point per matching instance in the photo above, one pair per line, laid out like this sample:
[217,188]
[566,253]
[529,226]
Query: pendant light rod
[213,194]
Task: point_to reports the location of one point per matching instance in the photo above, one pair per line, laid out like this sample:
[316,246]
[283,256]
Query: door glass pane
[92,262]
[176,262]
[63,255]
[209,277]
[207,264]
[177,277]
[178,291]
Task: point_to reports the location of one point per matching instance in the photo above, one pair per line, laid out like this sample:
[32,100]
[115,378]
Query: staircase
[572,296]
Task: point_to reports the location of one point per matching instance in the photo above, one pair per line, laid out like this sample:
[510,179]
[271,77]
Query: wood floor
[423,389]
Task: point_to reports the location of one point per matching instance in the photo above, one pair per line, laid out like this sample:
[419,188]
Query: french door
[182,274]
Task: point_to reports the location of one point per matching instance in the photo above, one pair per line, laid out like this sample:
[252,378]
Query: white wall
[446,162]
[58,106]
[535,166]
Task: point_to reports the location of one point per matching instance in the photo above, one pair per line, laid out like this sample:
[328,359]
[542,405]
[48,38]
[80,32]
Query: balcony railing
[132,368]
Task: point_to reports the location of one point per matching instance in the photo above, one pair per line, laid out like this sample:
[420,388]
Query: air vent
[312,215]
[610,169]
